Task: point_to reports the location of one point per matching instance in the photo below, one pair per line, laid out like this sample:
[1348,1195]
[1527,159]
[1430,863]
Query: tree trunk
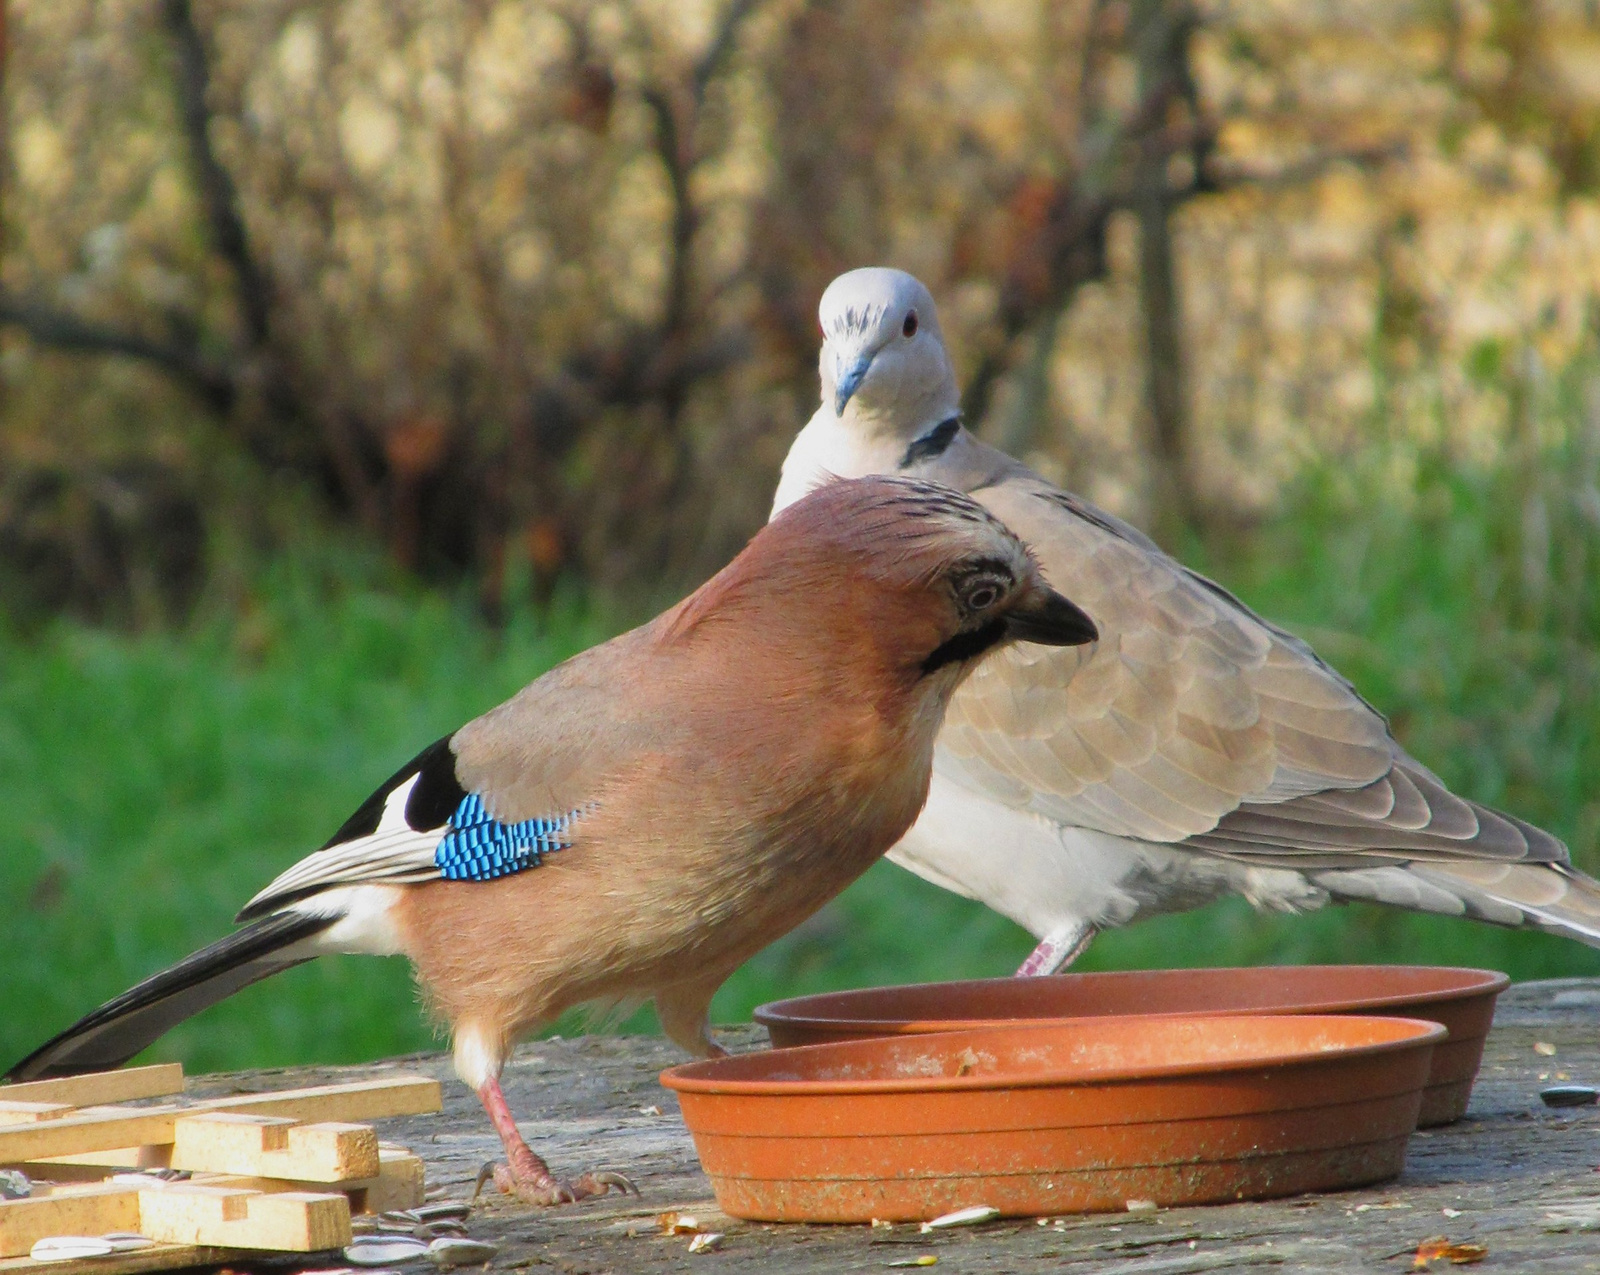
[1163,70]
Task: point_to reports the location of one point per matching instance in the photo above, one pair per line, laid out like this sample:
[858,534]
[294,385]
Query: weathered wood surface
[1495,1178]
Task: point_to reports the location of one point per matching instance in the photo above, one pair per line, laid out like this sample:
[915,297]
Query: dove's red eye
[909,327]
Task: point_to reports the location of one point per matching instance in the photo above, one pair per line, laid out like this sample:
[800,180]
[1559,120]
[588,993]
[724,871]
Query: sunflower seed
[67,1248]
[975,1216]
[1570,1096]
[456,1251]
[385,1251]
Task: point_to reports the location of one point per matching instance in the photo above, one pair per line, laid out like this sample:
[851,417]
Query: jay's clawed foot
[529,1178]
[524,1174]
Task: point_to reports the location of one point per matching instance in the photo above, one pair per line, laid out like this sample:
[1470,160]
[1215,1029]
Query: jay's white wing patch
[394,853]
[420,826]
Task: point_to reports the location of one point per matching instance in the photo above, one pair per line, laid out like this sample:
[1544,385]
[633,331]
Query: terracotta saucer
[1057,1117]
[1460,999]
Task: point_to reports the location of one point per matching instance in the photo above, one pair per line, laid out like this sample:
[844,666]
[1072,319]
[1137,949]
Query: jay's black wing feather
[120,1028]
[432,800]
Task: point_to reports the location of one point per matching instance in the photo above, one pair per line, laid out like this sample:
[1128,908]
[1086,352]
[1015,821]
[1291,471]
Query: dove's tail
[1553,897]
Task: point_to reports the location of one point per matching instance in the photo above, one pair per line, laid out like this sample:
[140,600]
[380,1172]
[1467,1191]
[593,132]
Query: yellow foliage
[454,201]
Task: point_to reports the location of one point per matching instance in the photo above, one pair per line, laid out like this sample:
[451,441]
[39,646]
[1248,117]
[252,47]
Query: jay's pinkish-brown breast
[682,869]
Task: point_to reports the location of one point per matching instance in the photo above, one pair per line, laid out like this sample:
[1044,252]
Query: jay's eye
[909,327]
[981,595]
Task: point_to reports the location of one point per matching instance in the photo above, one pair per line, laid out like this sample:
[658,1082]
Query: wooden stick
[158,1257]
[275,1147]
[359,1100]
[292,1221]
[181,1213]
[154,1156]
[400,1183]
[123,1085]
[112,1128]
[31,1112]
[91,1211]
[96,1132]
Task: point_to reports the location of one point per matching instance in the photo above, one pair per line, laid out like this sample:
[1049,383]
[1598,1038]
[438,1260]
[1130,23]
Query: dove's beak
[849,381]
[1049,619]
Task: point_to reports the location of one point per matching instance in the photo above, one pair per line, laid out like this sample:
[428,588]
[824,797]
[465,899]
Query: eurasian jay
[1195,750]
[687,792]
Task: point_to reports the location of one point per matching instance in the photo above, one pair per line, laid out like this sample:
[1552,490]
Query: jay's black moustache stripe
[933,443]
[965,646]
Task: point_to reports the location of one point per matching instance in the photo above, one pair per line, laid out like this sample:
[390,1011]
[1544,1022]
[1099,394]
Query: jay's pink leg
[524,1173]
[1058,949]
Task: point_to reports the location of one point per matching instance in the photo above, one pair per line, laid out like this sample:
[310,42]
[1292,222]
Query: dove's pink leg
[1058,949]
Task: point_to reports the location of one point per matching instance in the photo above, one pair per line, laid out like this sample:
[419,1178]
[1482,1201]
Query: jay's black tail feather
[120,1028]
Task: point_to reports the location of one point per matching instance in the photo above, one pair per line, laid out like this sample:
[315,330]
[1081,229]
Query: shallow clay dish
[1460,999]
[1058,1117]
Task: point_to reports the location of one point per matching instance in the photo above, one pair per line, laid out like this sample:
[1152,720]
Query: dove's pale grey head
[884,365]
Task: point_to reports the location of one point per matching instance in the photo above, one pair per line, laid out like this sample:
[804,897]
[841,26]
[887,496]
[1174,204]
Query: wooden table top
[1520,1178]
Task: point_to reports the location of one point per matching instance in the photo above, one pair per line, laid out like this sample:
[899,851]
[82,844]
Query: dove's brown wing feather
[1194,721]
[1187,708]
[1404,817]
[1551,891]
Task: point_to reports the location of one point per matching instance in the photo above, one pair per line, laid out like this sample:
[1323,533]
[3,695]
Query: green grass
[150,784]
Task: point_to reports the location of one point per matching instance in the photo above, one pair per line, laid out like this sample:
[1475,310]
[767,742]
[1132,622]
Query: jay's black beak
[1050,620]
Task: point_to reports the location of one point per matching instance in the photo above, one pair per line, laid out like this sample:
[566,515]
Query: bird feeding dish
[1462,1000]
[1058,1117]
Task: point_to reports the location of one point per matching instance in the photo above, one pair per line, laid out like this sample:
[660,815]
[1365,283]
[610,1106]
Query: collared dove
[693,789]
[1195,750]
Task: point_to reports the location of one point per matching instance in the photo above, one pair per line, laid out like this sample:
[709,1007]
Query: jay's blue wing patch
[420,826]
[478,847]
[475,846]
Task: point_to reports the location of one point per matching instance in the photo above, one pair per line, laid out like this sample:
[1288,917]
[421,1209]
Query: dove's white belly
[1048,876]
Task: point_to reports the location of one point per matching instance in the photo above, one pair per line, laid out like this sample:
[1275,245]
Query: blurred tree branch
[1221,174]
[676,111]
[218,196]
[1148,160]
[63,330]
[382,468]
[1068,249]
[550,292]
[722,44]
[216,382]
[1164,29]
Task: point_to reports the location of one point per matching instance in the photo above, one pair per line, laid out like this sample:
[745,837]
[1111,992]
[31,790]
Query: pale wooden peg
[275,1147]
[122,1085]
[85,1211]
[13,1112]
[400,1183]
[289,1221]
[109,1128]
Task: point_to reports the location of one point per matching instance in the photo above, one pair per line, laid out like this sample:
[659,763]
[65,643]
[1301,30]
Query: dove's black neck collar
[932,443]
